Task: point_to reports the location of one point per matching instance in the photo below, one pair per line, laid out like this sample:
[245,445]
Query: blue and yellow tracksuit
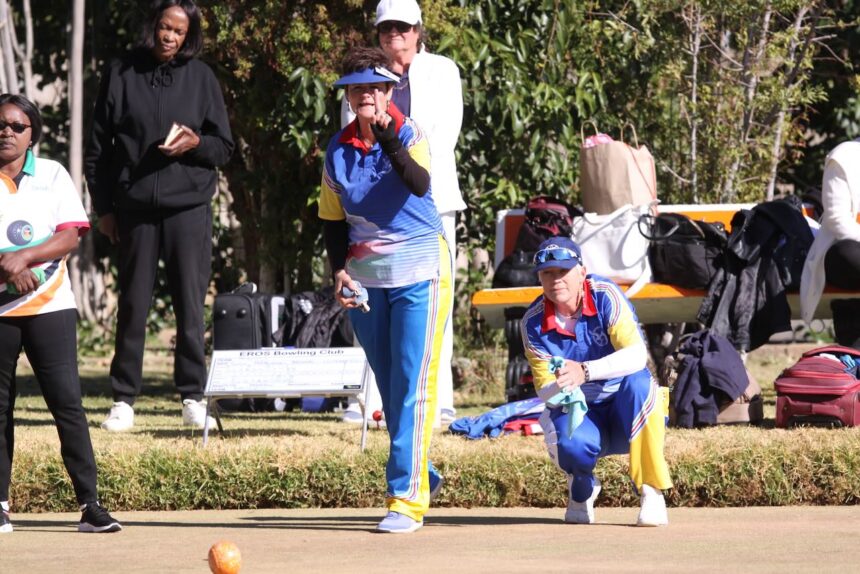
[399,253]
[625,414]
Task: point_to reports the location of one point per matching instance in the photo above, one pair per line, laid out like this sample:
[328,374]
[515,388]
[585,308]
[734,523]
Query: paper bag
[613,174]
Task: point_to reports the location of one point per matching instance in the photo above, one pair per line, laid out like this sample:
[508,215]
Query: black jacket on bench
[747,300]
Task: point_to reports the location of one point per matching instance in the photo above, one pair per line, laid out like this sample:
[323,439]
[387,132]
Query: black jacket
[747,301]
[139,99]
[711,373]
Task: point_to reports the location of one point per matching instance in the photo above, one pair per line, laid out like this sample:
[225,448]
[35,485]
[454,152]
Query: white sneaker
[194,414]
[581,512]
[447,416]
[652,511]
[353,415]
[121,417]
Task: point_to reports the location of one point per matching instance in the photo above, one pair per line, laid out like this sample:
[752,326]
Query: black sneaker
[5,523]
[96,519]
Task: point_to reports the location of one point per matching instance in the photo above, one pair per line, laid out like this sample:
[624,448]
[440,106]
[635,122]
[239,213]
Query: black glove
[387,138]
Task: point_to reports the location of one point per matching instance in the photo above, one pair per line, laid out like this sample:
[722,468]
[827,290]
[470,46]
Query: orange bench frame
[654,303]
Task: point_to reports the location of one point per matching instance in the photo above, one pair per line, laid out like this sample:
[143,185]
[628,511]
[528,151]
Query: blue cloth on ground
[491,423]
[571,402]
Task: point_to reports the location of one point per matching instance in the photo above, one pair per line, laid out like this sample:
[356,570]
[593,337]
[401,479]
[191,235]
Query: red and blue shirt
[608,323]
[393,234]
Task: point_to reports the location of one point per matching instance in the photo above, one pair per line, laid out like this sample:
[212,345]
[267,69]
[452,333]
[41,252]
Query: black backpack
[545,217]
[314,319]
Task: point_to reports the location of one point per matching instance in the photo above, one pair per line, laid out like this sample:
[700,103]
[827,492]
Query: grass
[312,460]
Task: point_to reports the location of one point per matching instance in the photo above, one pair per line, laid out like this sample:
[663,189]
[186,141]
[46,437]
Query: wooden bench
[654,303]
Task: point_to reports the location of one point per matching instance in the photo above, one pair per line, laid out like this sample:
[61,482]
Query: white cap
[399,10]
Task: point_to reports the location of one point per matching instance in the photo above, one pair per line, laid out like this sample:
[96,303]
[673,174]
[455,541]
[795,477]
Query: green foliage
[276,61]
[533,71]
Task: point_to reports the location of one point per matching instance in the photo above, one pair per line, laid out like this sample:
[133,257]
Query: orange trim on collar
[350,134]
[9,183]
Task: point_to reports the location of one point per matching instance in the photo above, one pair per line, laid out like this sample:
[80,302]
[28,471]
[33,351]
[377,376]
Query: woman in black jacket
[160,131]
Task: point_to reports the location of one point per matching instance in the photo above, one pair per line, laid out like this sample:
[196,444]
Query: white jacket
[437,108]
[840,196]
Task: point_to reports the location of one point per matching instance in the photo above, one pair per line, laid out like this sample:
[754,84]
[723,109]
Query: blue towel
[491,424]
[572,402]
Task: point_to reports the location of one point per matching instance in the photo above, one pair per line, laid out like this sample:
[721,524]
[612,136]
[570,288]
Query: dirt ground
[761,540]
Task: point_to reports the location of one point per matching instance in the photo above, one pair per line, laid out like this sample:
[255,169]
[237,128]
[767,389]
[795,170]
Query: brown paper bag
[614,174]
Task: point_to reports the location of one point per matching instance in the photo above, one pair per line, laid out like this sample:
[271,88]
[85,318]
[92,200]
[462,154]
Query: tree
[277,61]
[17,59]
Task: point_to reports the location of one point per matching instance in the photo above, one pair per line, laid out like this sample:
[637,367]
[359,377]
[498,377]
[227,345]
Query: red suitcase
[819,390]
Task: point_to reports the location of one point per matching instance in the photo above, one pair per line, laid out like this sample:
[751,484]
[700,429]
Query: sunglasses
[16,127]
[389,25]
[555,254]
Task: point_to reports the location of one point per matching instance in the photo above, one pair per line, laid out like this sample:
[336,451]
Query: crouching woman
[587,356]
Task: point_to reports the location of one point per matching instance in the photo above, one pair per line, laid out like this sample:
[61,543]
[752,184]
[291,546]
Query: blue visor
[368,76]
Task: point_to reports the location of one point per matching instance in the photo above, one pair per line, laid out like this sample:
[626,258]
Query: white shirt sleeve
[839,213]
[621,363]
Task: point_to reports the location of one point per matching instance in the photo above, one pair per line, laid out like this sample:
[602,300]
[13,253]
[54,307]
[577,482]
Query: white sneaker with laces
[121,417]
[581,512]
[194,414]
[652,509]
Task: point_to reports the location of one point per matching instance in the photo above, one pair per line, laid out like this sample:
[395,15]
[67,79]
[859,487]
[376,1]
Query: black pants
[842,265]
[50,341]
[842,269]
[182,238]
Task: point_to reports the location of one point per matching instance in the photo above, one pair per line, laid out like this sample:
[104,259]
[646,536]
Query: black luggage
[682,251]
[245,319]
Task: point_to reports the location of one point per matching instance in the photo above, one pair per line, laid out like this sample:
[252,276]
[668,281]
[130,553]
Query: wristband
[585,372]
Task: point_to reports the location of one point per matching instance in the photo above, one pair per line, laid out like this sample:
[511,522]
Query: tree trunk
[25,55]
[695,24]
[791,78]
[749,79]
[27,60]
[9,74]
[87,282]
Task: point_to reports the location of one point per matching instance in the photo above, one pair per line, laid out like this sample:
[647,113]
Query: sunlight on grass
[298,459]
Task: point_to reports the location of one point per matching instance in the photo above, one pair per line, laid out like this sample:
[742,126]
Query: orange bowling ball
[225,558]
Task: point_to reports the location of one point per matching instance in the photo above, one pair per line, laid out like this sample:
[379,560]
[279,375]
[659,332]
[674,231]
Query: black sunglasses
[18,128]
[389,25]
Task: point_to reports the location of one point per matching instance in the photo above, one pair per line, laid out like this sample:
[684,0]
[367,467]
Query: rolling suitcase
[822,388]
[245,319]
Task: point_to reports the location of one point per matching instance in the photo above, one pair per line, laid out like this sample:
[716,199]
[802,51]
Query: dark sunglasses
[16,127]
[556,254]
[389,25]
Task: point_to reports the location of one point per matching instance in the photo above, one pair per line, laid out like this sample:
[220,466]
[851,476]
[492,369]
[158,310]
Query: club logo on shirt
[598,336]
[19,233]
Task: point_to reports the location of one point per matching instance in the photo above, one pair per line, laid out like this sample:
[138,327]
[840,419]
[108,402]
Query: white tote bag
[613,246]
